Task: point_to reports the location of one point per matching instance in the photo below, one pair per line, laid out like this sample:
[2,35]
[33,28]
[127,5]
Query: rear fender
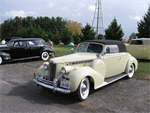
[50,50]
[131,60]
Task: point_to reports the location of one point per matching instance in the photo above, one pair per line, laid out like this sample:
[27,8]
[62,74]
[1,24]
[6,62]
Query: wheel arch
[92,82]
[131,61]
[47,49]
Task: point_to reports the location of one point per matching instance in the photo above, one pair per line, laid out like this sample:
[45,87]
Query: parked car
[25,48]
[140,48]
[95,64]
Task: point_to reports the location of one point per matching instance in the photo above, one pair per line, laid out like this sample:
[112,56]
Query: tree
[100,36]
[76,38]
[66,36]
[11,26]
[75,27]
[144,26]
[31,32]
[55,37]
[114,31]
[88,33]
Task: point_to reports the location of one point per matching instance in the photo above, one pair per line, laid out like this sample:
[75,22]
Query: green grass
[61,50]
[143,69]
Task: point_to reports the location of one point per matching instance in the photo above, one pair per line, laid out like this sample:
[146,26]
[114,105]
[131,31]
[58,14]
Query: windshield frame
[91,43]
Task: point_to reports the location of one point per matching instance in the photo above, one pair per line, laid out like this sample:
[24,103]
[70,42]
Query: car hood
[76,57]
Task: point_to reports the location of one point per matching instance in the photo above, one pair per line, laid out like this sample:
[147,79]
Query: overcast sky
[127,12]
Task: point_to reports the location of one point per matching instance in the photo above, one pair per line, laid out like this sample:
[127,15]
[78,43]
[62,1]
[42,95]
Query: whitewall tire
[131,71]
[84,89]
[45,56]
[1,60]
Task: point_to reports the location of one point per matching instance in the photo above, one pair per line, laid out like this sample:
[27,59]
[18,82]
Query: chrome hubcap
[84,88]
[45,56]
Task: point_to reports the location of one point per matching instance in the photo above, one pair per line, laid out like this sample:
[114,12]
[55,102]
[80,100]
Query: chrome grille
[52,71]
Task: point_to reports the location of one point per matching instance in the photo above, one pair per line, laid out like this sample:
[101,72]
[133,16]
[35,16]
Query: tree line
[59,30]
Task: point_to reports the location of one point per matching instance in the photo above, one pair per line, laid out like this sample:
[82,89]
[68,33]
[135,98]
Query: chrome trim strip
[65,91]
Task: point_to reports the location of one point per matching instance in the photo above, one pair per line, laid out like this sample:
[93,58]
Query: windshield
[10,43]
[90,47]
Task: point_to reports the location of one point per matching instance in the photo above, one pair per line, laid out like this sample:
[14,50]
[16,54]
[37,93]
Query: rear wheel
[84,89]
[45,56]
[1,60]
[131,71]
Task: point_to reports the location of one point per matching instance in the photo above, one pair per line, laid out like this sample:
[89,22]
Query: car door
[14,50]
[23,49]
[34,48]
[17,50]
[112,60]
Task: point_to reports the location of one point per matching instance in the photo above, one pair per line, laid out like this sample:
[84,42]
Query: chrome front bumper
[65,91]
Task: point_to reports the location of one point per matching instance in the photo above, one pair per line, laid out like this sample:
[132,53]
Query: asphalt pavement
[18,94]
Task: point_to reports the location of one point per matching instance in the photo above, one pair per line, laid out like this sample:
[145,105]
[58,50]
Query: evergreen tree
[10,27]
[144,26]
[66,36]
[88,33]
[114,31]
[76,38]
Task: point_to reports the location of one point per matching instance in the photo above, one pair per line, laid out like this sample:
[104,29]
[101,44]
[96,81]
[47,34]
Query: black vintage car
[25,48]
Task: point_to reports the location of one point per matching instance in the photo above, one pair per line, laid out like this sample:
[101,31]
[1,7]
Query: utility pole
[97,22]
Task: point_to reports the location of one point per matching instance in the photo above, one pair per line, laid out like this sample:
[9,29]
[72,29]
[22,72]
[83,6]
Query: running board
[111,80]
[19,59]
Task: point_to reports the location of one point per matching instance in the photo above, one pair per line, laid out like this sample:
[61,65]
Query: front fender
[48,49]
[77,75]
[132,60]
[4,54]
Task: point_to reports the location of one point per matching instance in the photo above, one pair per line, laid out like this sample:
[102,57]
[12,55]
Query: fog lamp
[45,65]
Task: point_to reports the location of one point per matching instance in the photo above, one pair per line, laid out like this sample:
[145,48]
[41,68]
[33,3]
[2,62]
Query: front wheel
[84,89]
[1,60]
[131,71]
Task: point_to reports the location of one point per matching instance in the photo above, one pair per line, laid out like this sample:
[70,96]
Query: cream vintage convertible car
[95,64]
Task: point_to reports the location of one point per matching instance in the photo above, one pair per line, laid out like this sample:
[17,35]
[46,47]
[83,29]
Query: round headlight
[63,70]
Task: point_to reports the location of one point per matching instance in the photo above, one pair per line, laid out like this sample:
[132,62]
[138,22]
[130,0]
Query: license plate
[65,84]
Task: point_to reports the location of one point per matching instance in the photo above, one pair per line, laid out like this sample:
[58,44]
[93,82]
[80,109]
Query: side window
[16,44]
[22,43]
[112,49]
[31,43]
